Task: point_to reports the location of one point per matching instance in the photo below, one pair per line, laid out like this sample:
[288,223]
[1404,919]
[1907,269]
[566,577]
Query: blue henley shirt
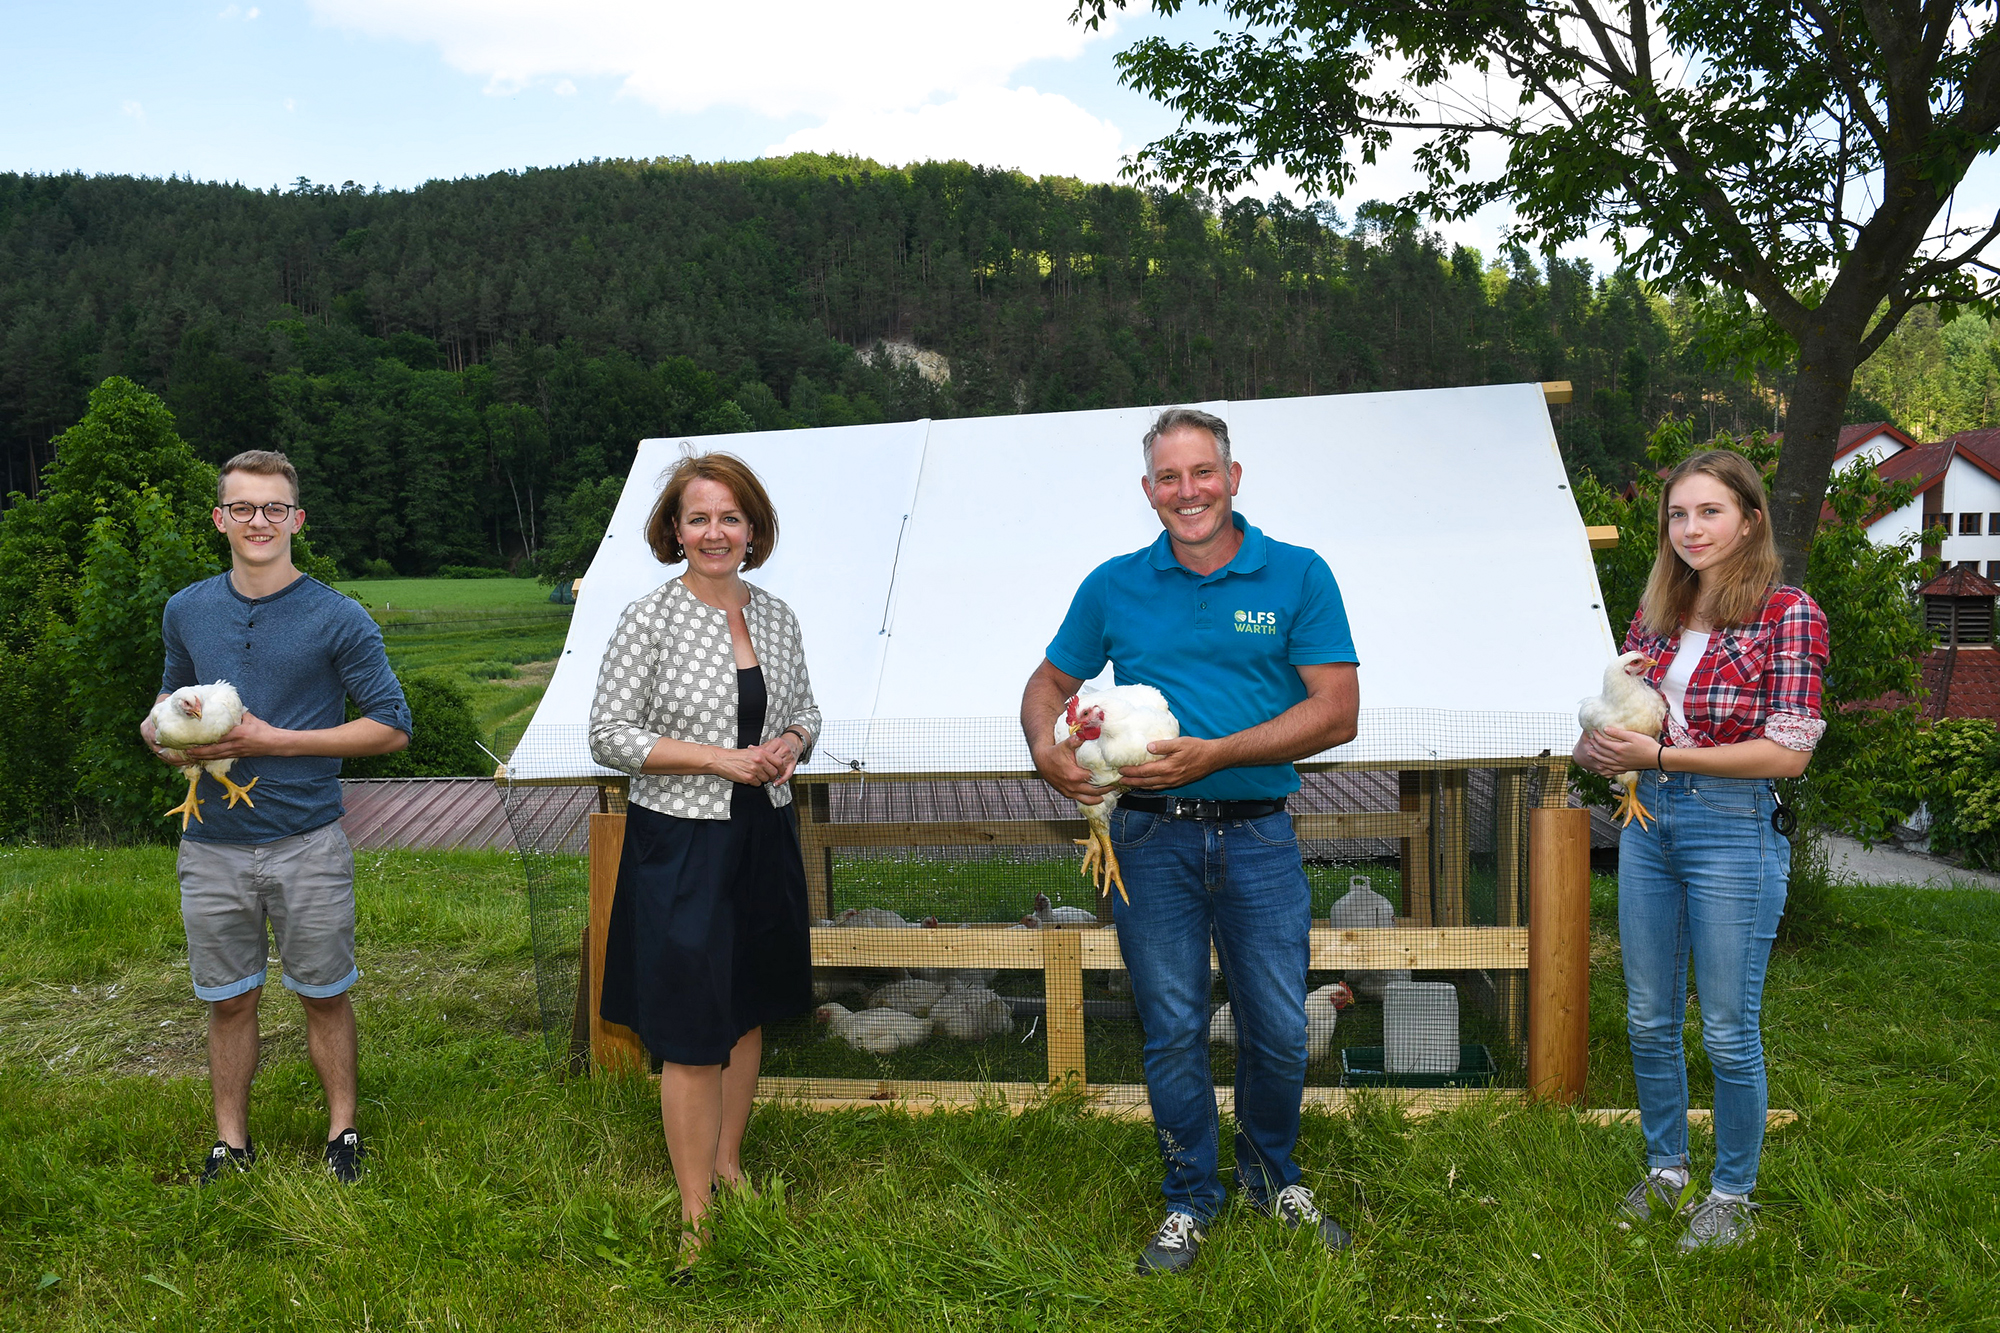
[1224,648]
[295,657]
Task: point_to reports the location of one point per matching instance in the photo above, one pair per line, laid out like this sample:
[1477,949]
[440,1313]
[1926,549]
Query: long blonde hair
[1745,576]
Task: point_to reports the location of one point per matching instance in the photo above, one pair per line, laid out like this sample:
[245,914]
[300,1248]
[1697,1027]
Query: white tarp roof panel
[930,563]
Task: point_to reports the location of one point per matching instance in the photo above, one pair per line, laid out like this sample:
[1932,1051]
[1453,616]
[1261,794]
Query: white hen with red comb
[1116,726]
[200,715]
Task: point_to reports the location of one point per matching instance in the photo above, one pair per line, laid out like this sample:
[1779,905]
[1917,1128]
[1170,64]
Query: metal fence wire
[957,947]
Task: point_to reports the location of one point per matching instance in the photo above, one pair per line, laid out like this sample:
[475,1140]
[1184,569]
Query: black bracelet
[1660,760]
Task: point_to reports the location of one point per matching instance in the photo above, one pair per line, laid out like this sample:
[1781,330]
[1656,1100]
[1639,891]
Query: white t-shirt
[1675,683]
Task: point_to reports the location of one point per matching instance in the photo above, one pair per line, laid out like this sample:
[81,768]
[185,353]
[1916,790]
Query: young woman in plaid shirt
[1739,658]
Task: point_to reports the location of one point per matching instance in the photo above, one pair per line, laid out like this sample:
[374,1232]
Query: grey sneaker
[1173,1247]
[1719,1224]
[1656,1195]
[1294,1207]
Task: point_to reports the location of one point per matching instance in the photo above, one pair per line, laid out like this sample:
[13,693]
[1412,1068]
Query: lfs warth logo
[1256,622]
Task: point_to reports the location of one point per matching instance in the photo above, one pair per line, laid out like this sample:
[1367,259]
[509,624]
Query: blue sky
[396,92]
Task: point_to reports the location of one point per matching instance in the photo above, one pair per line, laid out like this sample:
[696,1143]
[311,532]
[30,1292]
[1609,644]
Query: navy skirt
[709,936]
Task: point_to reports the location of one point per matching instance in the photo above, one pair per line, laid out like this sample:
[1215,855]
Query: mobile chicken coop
[929,564]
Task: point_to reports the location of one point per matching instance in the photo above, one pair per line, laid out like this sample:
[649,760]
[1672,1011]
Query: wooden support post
[1413,795]
[814,802]
[1558,953]
[611,1046]
[1510,841]
[1062,985]
[1454,848]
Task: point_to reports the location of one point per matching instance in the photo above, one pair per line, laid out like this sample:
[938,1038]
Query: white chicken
[973,1013]
[1048,915]
[912,997]
[1323,1008]
[200,715]
[876,1031]
[1116,726]
[1629,702]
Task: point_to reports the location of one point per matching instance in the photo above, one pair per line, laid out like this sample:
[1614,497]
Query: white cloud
[134,110]
[776,58]
[291,104]
[1039,133]
[251,13]
[564,88]
[232,12]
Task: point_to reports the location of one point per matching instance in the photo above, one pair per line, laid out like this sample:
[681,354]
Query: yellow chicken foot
[1100,863]
[1630,807]
[190,806]
[237,793]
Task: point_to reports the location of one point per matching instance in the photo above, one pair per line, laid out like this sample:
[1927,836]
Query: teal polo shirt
[1224,648]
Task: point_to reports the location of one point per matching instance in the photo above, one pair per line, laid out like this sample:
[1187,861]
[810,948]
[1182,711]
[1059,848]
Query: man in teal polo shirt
[1248,640]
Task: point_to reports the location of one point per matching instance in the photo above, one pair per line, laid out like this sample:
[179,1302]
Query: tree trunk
[1812,429]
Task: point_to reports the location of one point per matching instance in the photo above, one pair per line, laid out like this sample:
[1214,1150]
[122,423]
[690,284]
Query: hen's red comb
[1070,715]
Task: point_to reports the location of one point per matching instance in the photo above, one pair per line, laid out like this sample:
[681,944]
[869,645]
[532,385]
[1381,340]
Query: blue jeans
[1707,881]
[1239,882]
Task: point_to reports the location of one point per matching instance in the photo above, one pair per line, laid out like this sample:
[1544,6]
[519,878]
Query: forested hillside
[454,367]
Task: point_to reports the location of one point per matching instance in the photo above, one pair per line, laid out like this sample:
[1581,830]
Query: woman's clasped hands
[771,762]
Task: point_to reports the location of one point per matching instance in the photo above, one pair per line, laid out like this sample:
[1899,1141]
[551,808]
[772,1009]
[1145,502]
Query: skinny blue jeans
[1240,883]
[1707,882]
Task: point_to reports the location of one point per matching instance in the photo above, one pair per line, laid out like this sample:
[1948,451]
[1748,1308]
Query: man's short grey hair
[1182,418]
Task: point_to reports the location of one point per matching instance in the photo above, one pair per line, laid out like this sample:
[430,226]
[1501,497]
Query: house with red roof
[1957,504]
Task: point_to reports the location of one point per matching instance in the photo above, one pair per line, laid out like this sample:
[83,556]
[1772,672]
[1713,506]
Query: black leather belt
[1176,807]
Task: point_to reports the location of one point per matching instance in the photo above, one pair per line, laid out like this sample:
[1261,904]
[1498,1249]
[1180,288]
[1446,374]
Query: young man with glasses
[296,651]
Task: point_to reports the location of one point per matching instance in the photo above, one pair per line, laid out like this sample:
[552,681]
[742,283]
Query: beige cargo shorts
[303,886]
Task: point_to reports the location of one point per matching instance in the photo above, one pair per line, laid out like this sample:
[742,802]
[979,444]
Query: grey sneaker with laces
[1658,1194]
[1294,1207]
[1719,1223]
[1173,1247]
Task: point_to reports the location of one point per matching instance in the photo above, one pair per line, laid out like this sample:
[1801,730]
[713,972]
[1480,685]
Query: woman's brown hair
[726,470]
[1745,576]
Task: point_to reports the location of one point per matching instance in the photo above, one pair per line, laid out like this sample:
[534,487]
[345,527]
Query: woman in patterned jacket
[1739,658]
[704,699]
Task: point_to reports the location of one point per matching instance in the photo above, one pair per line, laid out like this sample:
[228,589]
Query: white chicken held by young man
[200,715]
[1628,702]
[1116,726]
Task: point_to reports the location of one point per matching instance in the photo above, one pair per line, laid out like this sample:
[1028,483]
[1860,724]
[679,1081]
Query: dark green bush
[444,736]
[1956,774]
[471,572]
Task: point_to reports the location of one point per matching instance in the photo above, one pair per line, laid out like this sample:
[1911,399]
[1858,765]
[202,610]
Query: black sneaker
[1294,1207]
[222,1158]
[344,1155]
[1173,1247]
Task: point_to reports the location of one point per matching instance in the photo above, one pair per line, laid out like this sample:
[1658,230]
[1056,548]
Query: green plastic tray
[1361,1067]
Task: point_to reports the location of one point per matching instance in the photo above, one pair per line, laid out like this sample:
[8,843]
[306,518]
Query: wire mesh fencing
[959,952]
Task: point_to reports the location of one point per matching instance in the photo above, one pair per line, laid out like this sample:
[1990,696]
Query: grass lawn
[504,1197]
[499,637]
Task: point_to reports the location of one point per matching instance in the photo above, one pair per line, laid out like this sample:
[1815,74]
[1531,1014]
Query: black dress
[709,935]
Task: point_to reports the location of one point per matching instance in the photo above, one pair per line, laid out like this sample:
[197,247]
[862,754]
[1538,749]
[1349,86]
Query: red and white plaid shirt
[1756,679]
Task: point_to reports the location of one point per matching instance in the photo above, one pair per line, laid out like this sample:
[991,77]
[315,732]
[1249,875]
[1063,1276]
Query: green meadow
[499,638]
[504,1196]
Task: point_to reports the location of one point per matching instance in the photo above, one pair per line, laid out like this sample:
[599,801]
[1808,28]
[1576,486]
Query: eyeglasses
[275,512]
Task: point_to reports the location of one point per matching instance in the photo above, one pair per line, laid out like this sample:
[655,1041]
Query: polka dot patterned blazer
[670,671]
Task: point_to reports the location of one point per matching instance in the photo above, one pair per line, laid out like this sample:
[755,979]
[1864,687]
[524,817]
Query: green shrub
[491,670]
[377,569]
[471,572]
[1956,774]
[444,735]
